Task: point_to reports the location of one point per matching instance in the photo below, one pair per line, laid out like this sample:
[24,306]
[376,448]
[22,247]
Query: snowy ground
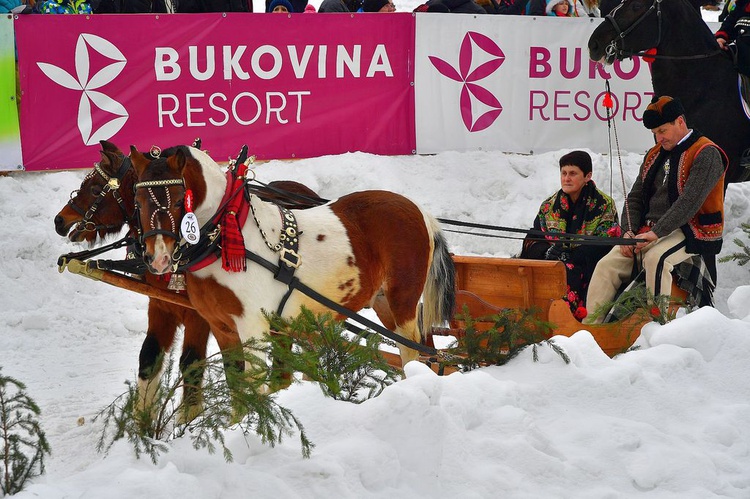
[667,421]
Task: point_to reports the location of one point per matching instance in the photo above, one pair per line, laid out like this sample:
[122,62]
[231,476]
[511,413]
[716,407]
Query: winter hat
[310,9]
[373,5]
[662,110]
[581,159]
[283,3]
[551,5]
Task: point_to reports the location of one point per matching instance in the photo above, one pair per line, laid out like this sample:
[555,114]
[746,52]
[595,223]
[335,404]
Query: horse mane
[681,17]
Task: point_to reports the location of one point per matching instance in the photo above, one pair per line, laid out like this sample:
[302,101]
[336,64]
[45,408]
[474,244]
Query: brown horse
[102,206]
[371,248]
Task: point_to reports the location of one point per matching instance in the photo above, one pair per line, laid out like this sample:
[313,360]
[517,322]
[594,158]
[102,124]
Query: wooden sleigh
[487,285]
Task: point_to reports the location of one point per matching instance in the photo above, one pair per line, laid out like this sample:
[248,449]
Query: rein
[613,52]
[530,234]
[539,235]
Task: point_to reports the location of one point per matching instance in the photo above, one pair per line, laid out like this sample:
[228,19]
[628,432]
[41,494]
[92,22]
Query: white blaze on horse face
[162,255]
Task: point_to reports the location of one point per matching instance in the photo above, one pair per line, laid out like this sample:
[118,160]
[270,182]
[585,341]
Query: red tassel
[232,242]
[581,313]
[607,101]
[232,245]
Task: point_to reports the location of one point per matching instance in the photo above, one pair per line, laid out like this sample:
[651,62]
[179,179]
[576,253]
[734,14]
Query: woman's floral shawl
[594,214]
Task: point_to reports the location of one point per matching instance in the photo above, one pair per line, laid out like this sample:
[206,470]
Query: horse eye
[96,190]
[180,203]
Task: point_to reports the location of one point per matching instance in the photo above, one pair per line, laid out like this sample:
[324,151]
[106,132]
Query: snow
[668,420]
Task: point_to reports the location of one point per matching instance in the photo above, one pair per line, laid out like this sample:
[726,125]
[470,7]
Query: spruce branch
[742,256]
[639,300]
[23,444]
[348,368]
[508,334]
[231,398]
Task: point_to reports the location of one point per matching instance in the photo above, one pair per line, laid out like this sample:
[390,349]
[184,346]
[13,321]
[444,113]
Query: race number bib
[189,228]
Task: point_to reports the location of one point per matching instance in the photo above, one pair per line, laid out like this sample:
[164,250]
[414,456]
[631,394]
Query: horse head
[634,26]
[160,206]
[630,27]
[103,203]
[160,191]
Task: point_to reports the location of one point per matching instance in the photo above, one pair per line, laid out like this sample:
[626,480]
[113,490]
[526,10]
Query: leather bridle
[613,52]
[153,230]
[112,185]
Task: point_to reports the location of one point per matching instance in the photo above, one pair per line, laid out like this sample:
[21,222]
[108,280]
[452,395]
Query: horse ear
[177,161]
[106,160]
[109,147]
[139,161]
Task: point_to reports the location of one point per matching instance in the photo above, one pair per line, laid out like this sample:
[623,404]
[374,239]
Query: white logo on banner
[470,90]
[88,85]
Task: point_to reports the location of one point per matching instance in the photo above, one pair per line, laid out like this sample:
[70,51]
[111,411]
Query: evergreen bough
[742,256]
[313,345]
[508,334]
[231,399]
[639,300]
[351,369]
[23,442]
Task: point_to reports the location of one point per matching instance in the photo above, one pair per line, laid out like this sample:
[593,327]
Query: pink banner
[288,86]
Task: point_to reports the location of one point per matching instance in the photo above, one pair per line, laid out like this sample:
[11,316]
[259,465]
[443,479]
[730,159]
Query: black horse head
[634,26]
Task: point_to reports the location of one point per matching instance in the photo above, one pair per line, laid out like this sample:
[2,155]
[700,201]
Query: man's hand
[722,43]
[649,238]
[627,250]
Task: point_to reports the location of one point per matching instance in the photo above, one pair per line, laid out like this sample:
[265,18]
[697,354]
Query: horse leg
[399,320]
[280,378]
[162,325]
[230,345]
[192,363]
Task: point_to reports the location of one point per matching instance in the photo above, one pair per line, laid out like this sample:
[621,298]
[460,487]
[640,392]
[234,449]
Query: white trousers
[658,259]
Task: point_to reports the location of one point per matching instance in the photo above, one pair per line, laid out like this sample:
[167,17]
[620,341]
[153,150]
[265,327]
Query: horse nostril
[60,225]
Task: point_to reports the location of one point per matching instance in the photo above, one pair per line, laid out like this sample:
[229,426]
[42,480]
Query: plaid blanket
[693,277]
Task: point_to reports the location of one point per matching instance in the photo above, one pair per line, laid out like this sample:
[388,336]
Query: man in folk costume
[577,208]
[675,207]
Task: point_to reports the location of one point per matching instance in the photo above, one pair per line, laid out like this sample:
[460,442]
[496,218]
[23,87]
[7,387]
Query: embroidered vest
[704,230]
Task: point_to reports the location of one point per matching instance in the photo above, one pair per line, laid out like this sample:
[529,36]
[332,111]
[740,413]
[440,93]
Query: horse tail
[439,295]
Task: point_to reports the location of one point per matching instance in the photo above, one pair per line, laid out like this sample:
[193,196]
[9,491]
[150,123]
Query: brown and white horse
[102,206]
[367,249]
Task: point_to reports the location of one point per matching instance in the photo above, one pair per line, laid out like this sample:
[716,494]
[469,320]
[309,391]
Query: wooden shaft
[114,279]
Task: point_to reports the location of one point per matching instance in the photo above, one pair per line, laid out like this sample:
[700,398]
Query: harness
[112,185]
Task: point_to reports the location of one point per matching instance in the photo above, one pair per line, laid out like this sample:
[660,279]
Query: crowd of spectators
[561,8]
[575,8]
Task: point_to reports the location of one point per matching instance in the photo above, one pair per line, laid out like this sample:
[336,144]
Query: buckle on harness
[290,257]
